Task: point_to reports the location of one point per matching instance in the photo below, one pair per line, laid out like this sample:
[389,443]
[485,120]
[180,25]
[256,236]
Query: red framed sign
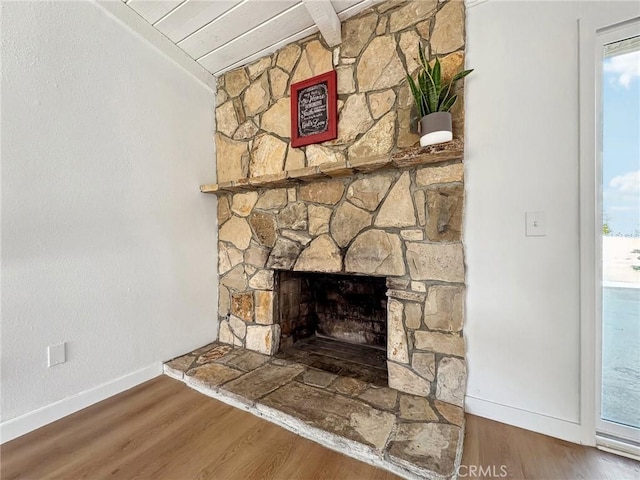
[314,110]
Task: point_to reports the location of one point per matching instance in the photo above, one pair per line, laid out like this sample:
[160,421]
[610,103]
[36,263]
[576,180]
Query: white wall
[107,243]
[522,154]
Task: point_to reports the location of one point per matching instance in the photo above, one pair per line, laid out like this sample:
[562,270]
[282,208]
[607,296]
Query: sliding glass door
[618,325]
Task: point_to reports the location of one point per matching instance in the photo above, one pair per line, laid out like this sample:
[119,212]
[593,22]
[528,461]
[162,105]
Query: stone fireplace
[400,225]
[368,204]
[351,244]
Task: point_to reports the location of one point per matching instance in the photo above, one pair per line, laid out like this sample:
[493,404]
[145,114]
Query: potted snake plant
[434,100]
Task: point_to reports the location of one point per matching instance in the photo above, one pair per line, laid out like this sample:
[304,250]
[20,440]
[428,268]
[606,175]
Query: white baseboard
[535,422]
[40,417]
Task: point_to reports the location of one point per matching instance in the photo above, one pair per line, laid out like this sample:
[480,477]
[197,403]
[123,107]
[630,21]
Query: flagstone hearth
[412,436]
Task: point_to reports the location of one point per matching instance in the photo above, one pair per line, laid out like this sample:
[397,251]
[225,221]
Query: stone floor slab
[318,378]
[214,353]
[451,413]
[426,446]
[212,375]
[229,357]
[178,366]
[263,380]
[348,386]
[381,397]
[350,418]
[248,361]
[416,408]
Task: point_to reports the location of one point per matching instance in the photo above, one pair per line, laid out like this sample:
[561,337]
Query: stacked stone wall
[404,225]
[376,114]
[400,221]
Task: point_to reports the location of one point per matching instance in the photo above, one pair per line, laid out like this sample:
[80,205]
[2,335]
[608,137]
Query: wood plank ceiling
[223,34]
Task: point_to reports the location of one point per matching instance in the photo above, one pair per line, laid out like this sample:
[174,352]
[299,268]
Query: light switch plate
[56,354]
[535,224]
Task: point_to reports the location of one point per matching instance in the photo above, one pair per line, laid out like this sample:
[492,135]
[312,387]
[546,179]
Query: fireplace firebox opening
[336,323]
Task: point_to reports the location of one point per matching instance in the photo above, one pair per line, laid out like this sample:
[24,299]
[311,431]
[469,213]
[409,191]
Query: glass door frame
[607,433]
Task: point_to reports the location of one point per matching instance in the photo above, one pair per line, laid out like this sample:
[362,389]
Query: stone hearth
[412,436]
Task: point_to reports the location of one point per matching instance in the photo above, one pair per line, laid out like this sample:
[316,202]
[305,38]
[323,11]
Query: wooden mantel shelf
[407,158]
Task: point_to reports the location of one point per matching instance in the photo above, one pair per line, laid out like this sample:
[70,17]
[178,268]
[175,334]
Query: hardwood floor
[164,430]
[529,455]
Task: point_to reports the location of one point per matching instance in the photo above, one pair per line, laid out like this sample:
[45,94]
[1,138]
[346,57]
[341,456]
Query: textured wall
[524,321]
[106,242]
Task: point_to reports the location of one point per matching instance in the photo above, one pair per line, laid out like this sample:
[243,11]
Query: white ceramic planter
[435,128]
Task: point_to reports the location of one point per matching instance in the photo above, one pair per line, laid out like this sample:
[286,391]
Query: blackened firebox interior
[336,323]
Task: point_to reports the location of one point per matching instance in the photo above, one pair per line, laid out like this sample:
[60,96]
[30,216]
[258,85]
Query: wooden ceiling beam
[326,18]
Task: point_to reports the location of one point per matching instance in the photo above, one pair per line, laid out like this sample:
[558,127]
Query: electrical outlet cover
[535,224]
[56,354]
